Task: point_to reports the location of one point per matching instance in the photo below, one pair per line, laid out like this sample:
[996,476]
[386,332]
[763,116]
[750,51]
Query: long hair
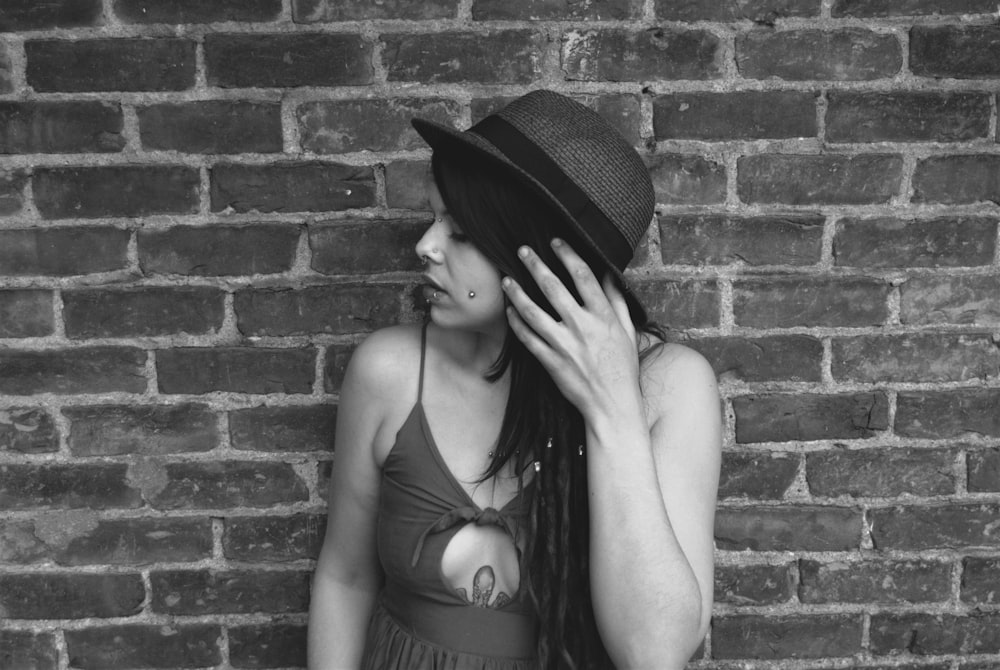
[498,215]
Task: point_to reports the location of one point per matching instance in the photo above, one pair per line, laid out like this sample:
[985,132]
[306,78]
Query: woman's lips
[432,290]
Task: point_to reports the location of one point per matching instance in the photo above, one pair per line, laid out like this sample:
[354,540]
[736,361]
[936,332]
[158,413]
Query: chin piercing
[472,294]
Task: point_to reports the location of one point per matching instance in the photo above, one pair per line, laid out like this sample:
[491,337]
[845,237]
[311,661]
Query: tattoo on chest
[482,590]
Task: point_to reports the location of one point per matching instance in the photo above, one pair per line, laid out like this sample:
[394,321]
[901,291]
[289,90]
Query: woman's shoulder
[675,375]
[387,358]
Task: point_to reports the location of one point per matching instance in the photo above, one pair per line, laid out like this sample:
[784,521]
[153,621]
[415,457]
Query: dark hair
[498,214]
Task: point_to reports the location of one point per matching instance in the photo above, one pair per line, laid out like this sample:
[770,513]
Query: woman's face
[461,286]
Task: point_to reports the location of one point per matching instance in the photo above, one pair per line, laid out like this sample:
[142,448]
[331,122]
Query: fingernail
[523,252]
[556,242]
[506,282]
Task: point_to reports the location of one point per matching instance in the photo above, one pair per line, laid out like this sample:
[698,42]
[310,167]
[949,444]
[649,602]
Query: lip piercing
[424,260]
[472,294]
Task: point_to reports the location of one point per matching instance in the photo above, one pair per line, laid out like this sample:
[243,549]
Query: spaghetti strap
[423,352]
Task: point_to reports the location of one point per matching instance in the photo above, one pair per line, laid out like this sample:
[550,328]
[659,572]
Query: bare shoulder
[385,361]
[678,381]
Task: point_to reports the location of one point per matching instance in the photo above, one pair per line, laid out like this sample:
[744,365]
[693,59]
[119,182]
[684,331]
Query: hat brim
[440,136]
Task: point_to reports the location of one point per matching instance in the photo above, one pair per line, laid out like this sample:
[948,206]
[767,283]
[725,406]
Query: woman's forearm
[338,622]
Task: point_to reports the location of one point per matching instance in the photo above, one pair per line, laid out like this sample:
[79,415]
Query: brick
[906,117]
[788,302]
[880,472]
[879,8]
[753,584]
[313,11]
[6,70]
[212,127]
[337,357]
[226,484]
[110,430]
[12,184]
[288,60]
[738,115]
[291,187]
[957,179]
[628,55]
[25,649]
[687,180]
[979,581]
[283,429]
[984,470]
[195,11]
[20,545]
[799,528]
[710,239]
[937,527]
[366,247]
[229,592]
[948,413]
[142,312]
[70,596]
[887,242]
[235,369]
[495,57]
[218,250]
[534,10]
[680,304]
[128,191]
[759,359]
[340,126]
[967,300]
[341,309]
[267,645]
[849,54]
[827,179]
[788,636]
[60,127]
[960,52]
[929,634]
[25,313]
[874,581]
[809,416]
[406,184]
[96,486]
[273,538]
[916,358]
[21,15]
[119,64]
[28,431]
[68,371]
[759,11]
[758,476]
[139,542]
[62,251]
[154,646]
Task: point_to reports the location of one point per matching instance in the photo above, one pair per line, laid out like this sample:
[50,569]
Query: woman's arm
[653,455]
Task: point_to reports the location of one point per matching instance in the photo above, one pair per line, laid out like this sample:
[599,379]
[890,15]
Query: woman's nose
[429,246]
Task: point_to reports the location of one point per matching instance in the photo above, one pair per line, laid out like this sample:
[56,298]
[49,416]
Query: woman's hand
[591,353]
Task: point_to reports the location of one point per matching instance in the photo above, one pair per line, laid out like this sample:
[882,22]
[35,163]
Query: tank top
[420,621]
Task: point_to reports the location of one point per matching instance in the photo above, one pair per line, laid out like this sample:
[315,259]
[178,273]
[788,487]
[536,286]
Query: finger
[583,277]
[551,286]
[618,303]
[535,345]
[528,310]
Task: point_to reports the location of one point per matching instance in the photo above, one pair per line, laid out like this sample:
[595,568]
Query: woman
[529,479]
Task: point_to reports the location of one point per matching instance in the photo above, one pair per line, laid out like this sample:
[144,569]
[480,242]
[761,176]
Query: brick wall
[205,205]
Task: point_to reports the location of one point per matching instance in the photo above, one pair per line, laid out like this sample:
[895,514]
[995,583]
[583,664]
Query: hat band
[528,156]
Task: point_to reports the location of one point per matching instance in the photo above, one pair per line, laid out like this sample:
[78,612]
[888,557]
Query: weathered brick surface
[145,646]
[121,64]
[682,179]
[366,247]
[979,581]
[27,430]
[916,358]
[218,250]
[24,649]
[906,117]
[984,470]
[337,357]
[758,11]
[800,528]
[624,55]
[293,187]
[809,416]
[211,127]
[760,240]
[287,60]
[754,584]
[95,486]
[375,125]
[194,11]
[497,57]
[935,527]
[969,300]
[900,243]
[513,10]
[237,591]
[838,55]
[26,313]
[239,370]
[874,582]
[33,15]
[268,646]
[823,179]
[688,304]
[787,302]
[83,370]
[948,413]
[957,179]
[62,251]
[962,52]
[60,127]
[311,11]
[804,636]
[227,484]
[927,634]
[305,428]
[773,358]
[744,115]
[136,542]
[273,538]
[106,430]
[12,184]
[142,311]
[879,8]
[6,83]
[406,184]
[880,472]
[622,111]
[318,309]
[757,476]
[91,192]
[69,596]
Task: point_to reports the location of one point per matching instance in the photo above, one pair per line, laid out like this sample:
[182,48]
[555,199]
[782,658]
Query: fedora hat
[571,156]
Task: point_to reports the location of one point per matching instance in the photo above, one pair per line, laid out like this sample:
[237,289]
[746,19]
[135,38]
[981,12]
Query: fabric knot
[481,517]
[488,517]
